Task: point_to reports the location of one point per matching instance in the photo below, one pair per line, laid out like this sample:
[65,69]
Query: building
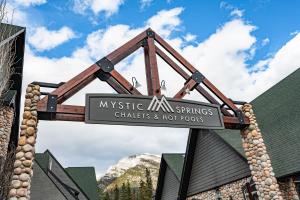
[12,39]
[216,164]
[52,181]
[169,176]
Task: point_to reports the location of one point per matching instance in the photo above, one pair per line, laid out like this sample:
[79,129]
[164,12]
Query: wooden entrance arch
[50,107]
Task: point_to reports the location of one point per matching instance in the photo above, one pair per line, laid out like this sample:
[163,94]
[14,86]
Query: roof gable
[42,186]
[59,175]
[170,168]
[175,163]
[278,114]
[85,177]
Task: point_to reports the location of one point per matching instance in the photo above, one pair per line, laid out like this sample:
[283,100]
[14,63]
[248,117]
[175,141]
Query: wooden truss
[50,107]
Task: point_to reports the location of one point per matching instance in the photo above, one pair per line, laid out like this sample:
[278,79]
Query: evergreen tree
[149,188]
[142,190]
[128,191]
[106,196]
[123,192]
[101,194]
[134,194]
[116,193]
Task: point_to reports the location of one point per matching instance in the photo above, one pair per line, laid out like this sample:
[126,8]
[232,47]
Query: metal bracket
[102,75]
[240,116]
[198,77]
[105,64]
[48,85]
[144,43]
[52,103]
[238,102]
[150,33]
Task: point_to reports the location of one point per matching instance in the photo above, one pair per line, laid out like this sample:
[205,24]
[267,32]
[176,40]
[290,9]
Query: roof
[175,162]
[278,115]
[43,160]
[85,177]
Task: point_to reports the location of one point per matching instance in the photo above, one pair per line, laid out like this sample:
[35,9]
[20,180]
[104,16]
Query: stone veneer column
[288,189]
[6,120]
[20,185]
[258,159]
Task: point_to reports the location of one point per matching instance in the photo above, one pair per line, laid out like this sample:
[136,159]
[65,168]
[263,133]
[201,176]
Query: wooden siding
[215,163]
[42,187]
[171,186]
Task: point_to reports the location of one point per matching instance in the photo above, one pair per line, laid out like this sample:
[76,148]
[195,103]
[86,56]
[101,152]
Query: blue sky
[243,47]
[274,19]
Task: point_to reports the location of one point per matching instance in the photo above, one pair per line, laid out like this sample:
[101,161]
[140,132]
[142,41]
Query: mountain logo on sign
[157,104]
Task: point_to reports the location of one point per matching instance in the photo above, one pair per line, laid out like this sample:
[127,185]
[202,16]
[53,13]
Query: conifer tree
[106,196]
[149,188]
[128,191]
[142,190]
[101,194]
[123,195]
[116,193]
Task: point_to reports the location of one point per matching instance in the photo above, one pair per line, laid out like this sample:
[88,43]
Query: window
[249,191]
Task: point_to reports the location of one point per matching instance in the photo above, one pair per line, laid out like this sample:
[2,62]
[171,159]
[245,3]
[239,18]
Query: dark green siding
[215,163]
[170,186]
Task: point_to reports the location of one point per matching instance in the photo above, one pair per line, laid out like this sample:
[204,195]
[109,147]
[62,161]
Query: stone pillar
[288,189]
[20,185]
[258,159]
[6,120]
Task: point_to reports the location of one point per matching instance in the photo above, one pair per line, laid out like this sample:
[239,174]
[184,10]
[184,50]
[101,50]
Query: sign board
[151,111]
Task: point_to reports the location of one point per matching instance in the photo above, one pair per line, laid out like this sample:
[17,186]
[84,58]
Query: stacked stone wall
[258,159]
[6,120]
[288,189]
[229,191]
[21,179]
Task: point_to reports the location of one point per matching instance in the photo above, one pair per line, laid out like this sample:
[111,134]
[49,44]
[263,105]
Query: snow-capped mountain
[130,168]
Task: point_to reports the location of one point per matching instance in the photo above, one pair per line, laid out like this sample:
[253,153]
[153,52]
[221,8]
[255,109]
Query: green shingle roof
[85,177]
[43,160]
[278,115]
[175,162]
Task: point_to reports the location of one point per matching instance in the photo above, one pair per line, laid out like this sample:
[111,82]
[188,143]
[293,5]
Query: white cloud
[189,37]
[165,21]
[109,7]
[294,32]
[44,39]
[234,11]
[222,58]
[261,65]
[145,3]
[265,42]
[285,61]
[30,2]
[237,12]
[15,16]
